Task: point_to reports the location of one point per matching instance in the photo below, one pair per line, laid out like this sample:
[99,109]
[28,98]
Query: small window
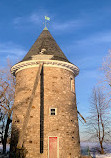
[53,111]
[72,85]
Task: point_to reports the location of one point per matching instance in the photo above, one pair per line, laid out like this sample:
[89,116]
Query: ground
[85,146]
[93,148]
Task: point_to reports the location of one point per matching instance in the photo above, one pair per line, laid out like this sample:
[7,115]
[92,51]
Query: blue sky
[82,29]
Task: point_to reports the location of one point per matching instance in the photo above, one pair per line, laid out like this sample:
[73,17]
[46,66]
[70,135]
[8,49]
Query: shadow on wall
[14,151]
[16,135]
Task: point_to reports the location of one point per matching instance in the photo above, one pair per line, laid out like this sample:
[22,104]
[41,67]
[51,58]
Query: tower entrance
[53,147]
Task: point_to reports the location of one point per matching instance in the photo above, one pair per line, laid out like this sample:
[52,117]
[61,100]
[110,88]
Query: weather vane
[46,19]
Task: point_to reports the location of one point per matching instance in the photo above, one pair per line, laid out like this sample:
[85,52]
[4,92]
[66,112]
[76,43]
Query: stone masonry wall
[57,94]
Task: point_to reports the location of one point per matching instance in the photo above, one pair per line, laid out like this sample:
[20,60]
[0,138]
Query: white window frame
[50,111]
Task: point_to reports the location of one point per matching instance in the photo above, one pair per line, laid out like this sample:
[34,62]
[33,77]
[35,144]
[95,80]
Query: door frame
[57,145]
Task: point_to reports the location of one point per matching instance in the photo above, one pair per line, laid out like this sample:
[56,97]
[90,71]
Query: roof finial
[46,19]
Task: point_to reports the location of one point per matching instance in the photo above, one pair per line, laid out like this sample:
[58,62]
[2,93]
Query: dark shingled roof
[45,42]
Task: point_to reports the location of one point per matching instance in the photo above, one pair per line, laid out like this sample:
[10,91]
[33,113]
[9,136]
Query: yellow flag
[47,18]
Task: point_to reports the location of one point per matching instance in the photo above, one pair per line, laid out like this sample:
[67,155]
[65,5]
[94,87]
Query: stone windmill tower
[45,123]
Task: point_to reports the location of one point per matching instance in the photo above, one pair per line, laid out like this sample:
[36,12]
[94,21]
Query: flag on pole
[47,18]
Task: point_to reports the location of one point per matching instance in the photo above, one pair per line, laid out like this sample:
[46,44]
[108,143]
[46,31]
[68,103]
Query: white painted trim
[48,146]
[57,145]
[47,63]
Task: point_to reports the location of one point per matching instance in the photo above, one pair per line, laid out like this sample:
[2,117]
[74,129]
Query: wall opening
[53,147]
[72,85]
[53,111]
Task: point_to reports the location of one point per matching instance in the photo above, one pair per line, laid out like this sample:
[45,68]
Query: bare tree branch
[7,89]
[97,125]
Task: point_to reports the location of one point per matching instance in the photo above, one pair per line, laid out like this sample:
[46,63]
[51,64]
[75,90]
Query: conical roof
[45,47]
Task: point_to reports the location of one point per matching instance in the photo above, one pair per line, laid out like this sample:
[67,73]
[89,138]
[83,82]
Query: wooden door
[53,147]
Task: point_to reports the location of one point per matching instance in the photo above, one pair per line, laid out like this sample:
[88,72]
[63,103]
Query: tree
[98,122]
[2,125]
[106,67]
[7,89]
